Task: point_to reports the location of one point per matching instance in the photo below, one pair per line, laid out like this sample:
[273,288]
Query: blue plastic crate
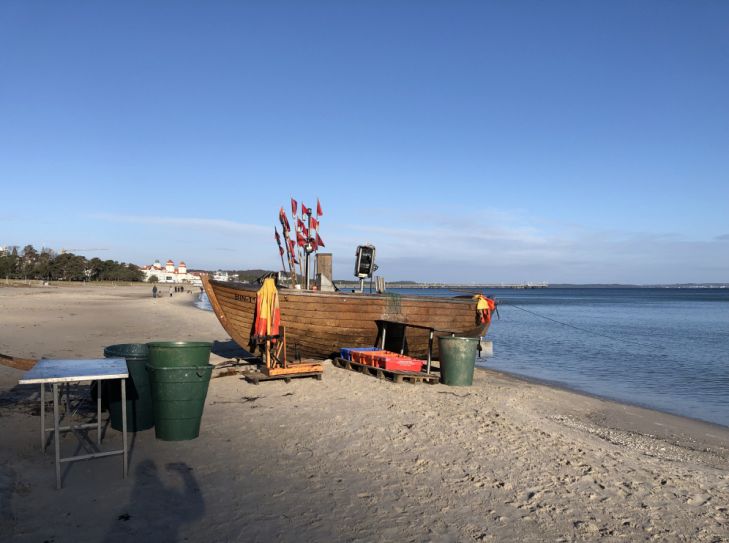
[347,351]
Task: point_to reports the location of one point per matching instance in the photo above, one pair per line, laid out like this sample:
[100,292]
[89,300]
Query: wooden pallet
[391,375]
[24,364]
[256,376]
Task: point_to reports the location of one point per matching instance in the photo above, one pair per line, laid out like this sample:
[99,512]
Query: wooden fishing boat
[318,324]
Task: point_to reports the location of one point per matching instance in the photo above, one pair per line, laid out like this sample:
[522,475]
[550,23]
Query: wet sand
[348,458]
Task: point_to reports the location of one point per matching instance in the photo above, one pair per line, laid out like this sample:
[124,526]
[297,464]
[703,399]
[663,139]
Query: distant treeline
[46,264]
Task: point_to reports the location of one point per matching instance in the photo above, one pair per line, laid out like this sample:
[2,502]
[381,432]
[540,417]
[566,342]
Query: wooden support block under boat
[292,369]
[24,364]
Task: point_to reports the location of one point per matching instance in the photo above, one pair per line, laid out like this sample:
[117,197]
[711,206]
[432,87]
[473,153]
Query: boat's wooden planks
[319,324]
[372,308]
[353,321]
[324,298]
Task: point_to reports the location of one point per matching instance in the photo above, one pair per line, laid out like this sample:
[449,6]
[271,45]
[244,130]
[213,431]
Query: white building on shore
[170,274]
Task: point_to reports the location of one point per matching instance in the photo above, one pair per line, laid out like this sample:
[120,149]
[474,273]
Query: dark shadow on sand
[156,511]
[230,349]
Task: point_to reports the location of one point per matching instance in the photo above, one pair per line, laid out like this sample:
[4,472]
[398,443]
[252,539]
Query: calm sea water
[666,349]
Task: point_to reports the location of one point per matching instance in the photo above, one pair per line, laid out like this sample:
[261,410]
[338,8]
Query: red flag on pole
[293,207]
[284,220]
[301,227]
[314,223]
[278,240]
[305,210]
[319,212]
[319,241]
[300,240]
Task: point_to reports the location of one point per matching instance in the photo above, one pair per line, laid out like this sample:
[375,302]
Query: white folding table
[57,371]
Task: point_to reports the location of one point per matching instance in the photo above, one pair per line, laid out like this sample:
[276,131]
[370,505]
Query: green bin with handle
[138,391]
[179,354]
[178,398]
[457,359]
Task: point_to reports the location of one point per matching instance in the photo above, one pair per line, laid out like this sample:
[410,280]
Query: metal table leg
[98,412]
[43,417]
[57,435]
[430,351]
[68,402]
[124,421]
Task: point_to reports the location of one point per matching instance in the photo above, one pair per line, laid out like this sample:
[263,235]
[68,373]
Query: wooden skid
[256,376]
[294,369]
[24,364]
[391,375]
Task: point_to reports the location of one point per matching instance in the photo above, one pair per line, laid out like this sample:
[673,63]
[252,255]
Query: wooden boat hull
[318,324]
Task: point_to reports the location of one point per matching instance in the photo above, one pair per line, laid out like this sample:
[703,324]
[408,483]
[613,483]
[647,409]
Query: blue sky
[469,141]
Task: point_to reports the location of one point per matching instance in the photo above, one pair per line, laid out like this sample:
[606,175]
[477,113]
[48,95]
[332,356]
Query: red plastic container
[399,363]
[367,357]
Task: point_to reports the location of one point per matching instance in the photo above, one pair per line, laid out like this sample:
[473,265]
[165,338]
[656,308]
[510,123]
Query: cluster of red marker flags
[307,229]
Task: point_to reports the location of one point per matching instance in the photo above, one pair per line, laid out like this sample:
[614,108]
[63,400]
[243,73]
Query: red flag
[293,207]
[301,227]
[278,240]
[319,212]
[319,241]
[300,240]
[314,246]
[291,246]
[305,210]
[314,223]
[284,220]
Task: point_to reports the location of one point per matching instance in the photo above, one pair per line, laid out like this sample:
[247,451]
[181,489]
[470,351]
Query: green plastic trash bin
[139,397]
[178,398]
[179,354]
[457,360]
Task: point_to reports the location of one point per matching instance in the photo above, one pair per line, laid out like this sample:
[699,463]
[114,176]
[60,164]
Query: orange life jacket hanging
[484,307]
[268,313]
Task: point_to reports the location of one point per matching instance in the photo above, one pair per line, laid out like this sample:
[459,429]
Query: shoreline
[609,414]
[348,458]
[557,385]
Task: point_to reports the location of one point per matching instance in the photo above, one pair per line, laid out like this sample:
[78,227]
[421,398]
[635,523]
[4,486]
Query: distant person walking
[154,291]
[170,292]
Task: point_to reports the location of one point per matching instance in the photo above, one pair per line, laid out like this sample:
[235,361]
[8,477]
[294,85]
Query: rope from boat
[586,330]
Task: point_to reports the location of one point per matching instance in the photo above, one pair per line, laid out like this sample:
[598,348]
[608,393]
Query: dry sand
[348,458]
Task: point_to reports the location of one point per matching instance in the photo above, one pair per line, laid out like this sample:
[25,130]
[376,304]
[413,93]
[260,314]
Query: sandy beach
[347,458]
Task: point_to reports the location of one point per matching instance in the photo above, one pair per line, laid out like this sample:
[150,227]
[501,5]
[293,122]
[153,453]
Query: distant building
[170,274]
[221,276]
